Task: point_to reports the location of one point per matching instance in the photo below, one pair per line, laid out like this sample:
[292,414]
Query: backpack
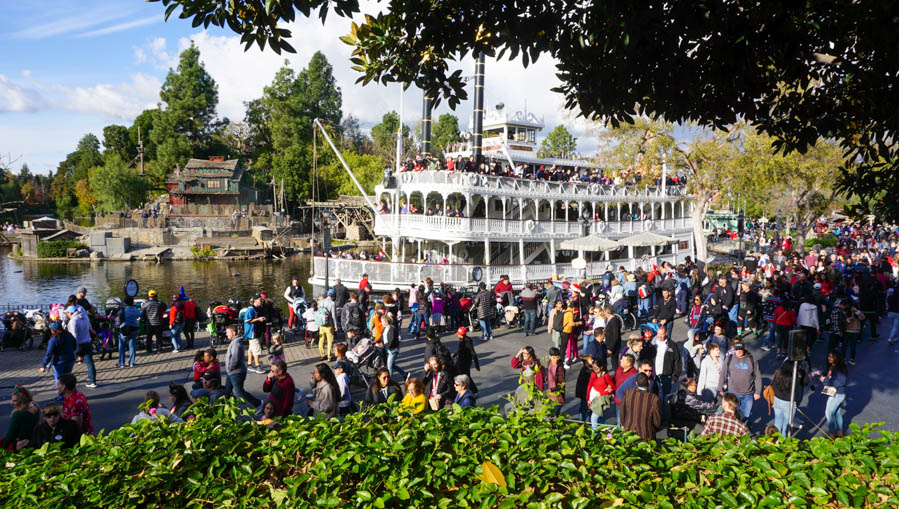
[354,315]
[323,317]
[768,394]
[643,292]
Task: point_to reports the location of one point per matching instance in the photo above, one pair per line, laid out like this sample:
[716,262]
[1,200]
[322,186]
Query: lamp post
[326,243]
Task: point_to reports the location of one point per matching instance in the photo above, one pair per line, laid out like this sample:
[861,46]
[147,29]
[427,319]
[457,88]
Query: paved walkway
[871,396]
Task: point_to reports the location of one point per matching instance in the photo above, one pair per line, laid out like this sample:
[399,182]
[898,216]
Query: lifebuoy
[530,225]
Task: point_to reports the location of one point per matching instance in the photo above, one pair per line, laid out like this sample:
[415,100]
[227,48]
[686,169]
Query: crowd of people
[649,380]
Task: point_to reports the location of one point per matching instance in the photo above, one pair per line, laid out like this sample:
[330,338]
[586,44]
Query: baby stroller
[17,333]
[512,315]
[39,324]
[367,359]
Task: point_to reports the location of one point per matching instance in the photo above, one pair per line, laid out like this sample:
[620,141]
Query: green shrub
[202,252]
[56,248]
[825,241]
[386,458]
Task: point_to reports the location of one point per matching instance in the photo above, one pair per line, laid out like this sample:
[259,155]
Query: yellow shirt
[416,403]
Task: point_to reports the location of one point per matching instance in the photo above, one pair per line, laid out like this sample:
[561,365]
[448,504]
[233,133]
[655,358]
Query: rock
[96,255]
[81,253]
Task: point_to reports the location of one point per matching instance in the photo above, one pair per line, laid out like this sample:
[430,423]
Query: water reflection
[34,282]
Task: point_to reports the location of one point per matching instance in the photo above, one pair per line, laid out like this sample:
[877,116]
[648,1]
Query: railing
[389,274]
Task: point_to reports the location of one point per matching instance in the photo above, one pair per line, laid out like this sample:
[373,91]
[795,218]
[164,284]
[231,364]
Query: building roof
[195,168]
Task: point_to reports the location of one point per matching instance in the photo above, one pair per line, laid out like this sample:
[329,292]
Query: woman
[696,350]
[464,397]
[697,320]
[616,295]
[128,324]
[180,400]
[25,416]
[269,414]
[325,393]
[382,387]
[465,354]
[391,337]
[782,383]
[54,429]
[279,384]
[438,384]
[415,399]
[718,337]
[600,391]
[709,373]
[526,361]
[152,409]
[555,383]
[835,379]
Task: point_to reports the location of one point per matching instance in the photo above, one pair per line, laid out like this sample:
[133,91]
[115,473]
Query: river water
[34,282]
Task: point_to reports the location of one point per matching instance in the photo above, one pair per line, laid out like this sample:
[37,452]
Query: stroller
[39,324]
[512,315]
[367,359]
[17,334]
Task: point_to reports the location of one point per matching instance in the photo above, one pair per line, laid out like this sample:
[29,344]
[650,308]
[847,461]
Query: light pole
[326,241]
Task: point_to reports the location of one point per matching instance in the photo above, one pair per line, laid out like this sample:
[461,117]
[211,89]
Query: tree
[352,138]
[368,169]
[445,133]
[384,137]
[823,74]
[117,140]
[558,143]
[74,169]
[185,123]
[114,186]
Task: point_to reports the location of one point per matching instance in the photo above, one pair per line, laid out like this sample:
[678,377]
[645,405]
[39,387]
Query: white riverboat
[512,226]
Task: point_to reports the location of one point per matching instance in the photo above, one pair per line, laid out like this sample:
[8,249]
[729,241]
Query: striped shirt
[641,413]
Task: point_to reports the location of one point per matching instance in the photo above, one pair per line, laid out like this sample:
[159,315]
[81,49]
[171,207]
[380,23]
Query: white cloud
[26,73]
[122,101]
[122,26]
[69,22]
[155,53]
[16,98]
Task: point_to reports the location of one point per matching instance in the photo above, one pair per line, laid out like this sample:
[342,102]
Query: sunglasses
[52,414]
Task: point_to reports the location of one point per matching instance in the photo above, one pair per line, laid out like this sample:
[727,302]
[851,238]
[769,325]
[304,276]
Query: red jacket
[621,376]
[190,310]
[784,316]
[538,369]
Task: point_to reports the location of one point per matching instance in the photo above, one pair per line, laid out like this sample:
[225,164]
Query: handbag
[829,391]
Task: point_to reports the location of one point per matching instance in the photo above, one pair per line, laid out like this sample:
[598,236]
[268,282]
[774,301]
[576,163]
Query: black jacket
[583,381]
[341,294]
[485,303]
[391,337]
[445,390]
[673,363]
[437,349]
[374,396]
[725,295]
[67,431]
[613,334]
[465,355]
[666,310]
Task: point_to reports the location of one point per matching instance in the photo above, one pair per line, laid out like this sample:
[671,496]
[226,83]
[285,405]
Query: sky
[73,67]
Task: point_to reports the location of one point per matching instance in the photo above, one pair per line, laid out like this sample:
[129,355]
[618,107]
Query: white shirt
[343,383]
[661,348]
[709,374]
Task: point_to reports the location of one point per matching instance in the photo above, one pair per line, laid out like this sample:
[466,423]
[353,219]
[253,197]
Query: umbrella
[590,243]
[646,239]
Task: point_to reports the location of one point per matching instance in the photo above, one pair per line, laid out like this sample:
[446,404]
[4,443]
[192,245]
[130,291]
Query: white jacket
[808,315]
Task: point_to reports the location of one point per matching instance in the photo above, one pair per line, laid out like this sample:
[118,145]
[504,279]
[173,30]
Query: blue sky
[72,67]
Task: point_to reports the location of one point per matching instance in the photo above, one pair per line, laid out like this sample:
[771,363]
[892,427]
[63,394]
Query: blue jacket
[837,379]
[60,350]
[464,400]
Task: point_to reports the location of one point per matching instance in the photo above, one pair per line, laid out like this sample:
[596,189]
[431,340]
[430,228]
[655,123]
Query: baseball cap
[71,309]
[264,295]
[330,292]
[461,331]
[55,326]
[817,286]
[81,289]
[151,293]
[294,278]
[257,296]
[739,346]
[210,375]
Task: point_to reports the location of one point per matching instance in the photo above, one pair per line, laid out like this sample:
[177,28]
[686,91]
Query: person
[353,317]
[784,320]
[74,403]
[464,396]
[555,378]
[435,348]
[612,333]
[79,326]
[81,300]
[741,378]
[727,422]
[199,367]
[581,385]
[382,388]
[465,353]
[310,316]
[529,306]
[25,416]
[280,388]
[414,400]
[151,315]
[364,292]
[665,311]
[554,323]
[695,351]
[688,409]
[341,295]
[179,399]
[641,410]
[293,292]
[176,322]
[211,388]
[60,354]
[342,372]
[485,304]
[325,392]
[571,324]
[709,373]
[236,367]
[855,321]
[893,314]
[325,319]
[254,330]
[526,361]
[269,414]
[667,358]
[391,337]
[53,429]
[128,323]
[190,319]
[438,384]
[782,383]
[152,409]
[718,337]
[835,379]
[600,392]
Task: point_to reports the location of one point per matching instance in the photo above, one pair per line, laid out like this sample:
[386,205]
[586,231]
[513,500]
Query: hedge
[387,458]
[56,248]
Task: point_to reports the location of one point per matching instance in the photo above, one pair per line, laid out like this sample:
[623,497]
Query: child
[311,324]
[199,369]
[276,349]
[555,371]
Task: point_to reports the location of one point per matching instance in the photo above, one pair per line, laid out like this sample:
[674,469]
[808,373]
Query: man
[630,382]
[341,294]
[552,293]
[81,296]
[726,297]
[74,403]
[641,410]
[53,429]
[626,370]
[554,324]
[364,292]
[236,368]
[667,360]
[353,319]
[529,307]
[612,338]
[79,326]
[212,388]
[742,378]
[325,318]
[666,311]
[293,292]
[151,315]
[190,319]
[485,304]
[726,423]
[254,330]
[60,354]
[280,387]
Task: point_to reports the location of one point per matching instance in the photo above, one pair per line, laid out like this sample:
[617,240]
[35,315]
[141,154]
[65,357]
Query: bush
[386,458]
[202,252]
[56,248]
[825,241]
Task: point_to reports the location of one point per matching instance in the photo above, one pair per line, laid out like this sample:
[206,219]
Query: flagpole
[399,133]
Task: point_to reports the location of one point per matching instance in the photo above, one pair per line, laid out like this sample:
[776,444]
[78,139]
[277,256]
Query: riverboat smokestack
[478,126]
[426,105]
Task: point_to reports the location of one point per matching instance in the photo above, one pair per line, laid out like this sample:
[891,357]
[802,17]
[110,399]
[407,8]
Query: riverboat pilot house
[210,182]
